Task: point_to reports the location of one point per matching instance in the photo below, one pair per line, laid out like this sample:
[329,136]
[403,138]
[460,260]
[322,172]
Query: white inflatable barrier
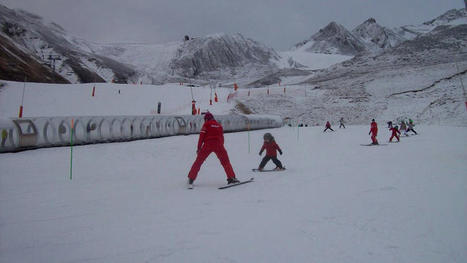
[30,133]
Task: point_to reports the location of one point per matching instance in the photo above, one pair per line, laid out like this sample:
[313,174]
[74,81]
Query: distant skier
[341,123]
[328,126]
[271,148]
[395,131]
[404,127]
[211,139]
[410,126]
[373,132]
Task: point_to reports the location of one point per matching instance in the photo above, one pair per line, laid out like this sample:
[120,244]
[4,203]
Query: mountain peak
[370,20]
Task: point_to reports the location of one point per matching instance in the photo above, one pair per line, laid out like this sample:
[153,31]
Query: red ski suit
[374,131]
[271,148]
[395,133]
[211,139]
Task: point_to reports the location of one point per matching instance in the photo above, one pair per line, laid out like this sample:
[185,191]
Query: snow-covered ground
[337,201]
[76,100]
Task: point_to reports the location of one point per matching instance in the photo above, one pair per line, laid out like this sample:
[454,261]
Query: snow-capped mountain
[212,57]
[332,39]
[451,18]
[375,36]
[419,78]
[50,45]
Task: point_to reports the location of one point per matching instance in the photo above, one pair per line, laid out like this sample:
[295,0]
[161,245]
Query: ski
[235,184]
[382,144]
[269,170]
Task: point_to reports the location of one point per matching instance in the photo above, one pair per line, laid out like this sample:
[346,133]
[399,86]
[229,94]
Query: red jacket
[271,149]
[328,125]
[374,128]
[211,131]
[394,131]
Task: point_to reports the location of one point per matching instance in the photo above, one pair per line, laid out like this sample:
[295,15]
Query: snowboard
[267,170]
[235,184]
[381,144]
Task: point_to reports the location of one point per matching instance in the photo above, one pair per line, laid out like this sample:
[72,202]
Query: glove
[197,151]
[260,153]
[369,133]
[280,152]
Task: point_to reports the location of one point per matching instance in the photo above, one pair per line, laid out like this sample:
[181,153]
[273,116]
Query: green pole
[71,149]
[248,137]
[298,131]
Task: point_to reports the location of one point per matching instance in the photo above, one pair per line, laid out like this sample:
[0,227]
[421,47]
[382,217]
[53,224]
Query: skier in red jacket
[271,148]
[395,132]
[373,131]
[211,139]
[328,126]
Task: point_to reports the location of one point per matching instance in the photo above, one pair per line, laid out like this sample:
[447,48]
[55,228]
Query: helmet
[208,116]
[268,136]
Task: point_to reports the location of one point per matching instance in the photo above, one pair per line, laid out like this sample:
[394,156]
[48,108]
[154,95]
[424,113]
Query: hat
[268,136]
[208,116]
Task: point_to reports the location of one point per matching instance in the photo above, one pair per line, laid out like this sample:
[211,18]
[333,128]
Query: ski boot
[232,180]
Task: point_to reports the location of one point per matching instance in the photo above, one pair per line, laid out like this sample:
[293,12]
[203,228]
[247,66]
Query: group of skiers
[211,139]
[395,132]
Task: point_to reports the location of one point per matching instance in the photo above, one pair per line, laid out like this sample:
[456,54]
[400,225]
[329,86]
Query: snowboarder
[410,126]
[211,139]
[341,123]
[328,126]
[395,132]
[271,148]
[373,131]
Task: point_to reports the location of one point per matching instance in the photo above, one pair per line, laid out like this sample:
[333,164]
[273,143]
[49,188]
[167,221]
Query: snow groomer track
[39,132]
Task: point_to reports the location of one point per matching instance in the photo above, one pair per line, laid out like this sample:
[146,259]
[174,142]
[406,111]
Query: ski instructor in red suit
[211,139]
[373,131]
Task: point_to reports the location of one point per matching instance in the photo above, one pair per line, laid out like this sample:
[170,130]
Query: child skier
[328,126]
[341,123]
[404,127]
[271,147]
[410,126]
[373,131]
[395,132]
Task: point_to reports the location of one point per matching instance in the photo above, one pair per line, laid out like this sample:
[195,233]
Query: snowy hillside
[418,79]
[219,57]
[110,99]
[452,17]
[49,44]
[332,39]
[375,36]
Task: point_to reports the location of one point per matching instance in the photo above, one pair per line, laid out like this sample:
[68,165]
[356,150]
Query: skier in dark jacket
[271,148]
[410,126]
[328,126]
[341,123]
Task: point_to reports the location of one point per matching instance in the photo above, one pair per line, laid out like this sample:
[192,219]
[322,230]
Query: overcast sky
[276,23]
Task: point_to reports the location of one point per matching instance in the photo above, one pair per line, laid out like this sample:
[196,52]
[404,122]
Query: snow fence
[29,133]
